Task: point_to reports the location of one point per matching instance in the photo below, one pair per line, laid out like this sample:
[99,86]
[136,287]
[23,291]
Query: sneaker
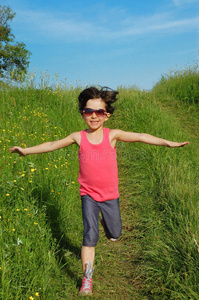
[110,239]
[87,282]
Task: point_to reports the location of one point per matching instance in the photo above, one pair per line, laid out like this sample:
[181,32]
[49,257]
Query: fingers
[12,149]
[17,150]
[183,144]
[175,144]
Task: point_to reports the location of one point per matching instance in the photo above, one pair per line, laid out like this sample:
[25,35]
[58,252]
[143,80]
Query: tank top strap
[83,137]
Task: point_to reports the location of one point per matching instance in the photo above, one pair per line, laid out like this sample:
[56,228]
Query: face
[95,121]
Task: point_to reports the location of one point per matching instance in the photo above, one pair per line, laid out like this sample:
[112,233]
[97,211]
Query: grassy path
[118,275]
[187,114]
[158,199]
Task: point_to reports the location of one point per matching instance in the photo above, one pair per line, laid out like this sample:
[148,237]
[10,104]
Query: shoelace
[87,279]
[86,283]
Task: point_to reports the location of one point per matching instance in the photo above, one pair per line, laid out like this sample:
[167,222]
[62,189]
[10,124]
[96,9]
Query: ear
[107,116]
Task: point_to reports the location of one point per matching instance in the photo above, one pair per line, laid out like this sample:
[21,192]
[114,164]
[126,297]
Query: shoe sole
[85,293]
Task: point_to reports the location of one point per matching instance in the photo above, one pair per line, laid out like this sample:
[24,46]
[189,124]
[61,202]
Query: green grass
[164,195]
[40,212]
[181,84]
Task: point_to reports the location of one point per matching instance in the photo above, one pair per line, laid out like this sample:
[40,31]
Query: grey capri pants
[111,216]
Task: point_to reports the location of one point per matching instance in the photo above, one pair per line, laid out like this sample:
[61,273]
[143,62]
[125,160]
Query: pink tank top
[98,174]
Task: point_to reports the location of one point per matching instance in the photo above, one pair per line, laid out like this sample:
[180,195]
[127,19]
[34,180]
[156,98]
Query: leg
[90,213]
[111,218]
[87,254]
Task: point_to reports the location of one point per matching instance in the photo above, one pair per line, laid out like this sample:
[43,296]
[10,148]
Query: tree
[14,57]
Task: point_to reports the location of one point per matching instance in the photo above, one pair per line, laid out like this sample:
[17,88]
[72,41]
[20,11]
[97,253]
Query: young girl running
[98,174]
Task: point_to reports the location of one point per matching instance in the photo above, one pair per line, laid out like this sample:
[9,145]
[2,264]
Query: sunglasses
[87,112]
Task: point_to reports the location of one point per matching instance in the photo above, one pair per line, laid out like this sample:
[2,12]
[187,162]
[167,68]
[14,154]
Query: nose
[94,115]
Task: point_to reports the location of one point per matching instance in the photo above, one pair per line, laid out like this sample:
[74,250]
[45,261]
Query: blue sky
[110,43]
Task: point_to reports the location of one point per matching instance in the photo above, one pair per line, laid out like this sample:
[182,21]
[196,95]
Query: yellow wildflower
[7,195]
[13,230]
[37,294]
[35,223]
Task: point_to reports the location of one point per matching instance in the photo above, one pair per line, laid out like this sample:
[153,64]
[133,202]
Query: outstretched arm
[48,146]
[125,136]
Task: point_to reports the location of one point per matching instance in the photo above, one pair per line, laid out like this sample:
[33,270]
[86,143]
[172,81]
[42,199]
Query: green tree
[14,57]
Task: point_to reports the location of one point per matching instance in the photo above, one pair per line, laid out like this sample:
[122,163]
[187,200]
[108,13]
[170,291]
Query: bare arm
[48,146]
[125,136]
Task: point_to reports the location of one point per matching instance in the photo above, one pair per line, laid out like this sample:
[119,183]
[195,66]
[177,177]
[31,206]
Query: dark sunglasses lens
[99,112]
[88,112]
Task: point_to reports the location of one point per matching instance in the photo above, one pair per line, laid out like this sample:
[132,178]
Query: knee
[114,234]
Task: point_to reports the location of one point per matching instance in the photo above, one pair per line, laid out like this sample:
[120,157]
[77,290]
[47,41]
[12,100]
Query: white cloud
[67,27]
[51,26]
[158,23]
[182,2]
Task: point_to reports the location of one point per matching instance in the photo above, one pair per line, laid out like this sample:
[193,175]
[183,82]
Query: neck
[95,131]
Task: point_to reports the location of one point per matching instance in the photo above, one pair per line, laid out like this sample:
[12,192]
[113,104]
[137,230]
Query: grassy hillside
[40,212]
[163,189]
[181,84]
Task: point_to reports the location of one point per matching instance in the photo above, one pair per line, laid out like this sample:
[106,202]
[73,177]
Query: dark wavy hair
[108,95]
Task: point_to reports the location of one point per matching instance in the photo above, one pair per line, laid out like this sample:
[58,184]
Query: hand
[174,144]
[18,150]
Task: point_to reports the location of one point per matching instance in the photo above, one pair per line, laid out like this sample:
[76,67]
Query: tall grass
[40,208]
[40,212]
[162,186]
[182,84]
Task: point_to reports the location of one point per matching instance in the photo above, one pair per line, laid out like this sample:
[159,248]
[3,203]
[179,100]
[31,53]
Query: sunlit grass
[40,212]
[181,83]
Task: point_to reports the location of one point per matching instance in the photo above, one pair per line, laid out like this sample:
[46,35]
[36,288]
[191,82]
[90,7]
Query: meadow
[157,256]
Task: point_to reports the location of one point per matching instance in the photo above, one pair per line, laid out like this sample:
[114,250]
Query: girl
[98,175]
